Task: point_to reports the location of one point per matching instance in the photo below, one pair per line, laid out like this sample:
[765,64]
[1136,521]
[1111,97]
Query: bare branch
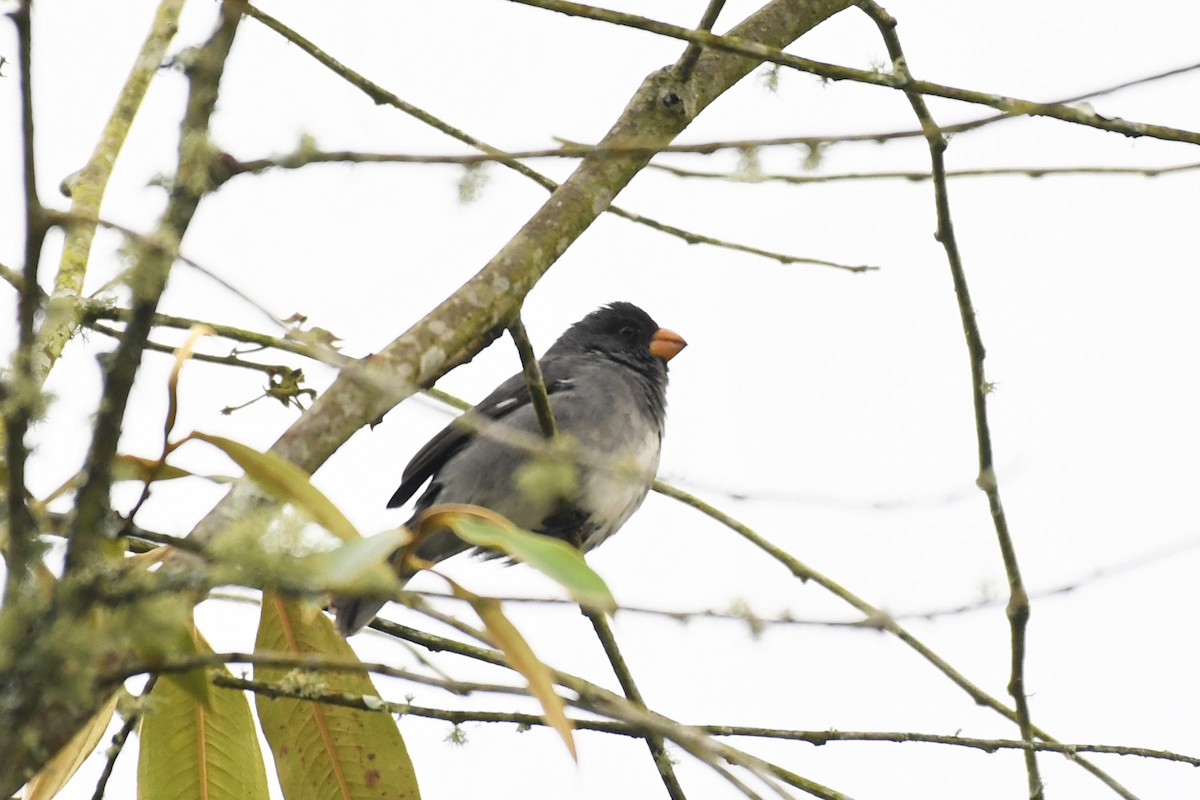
[658,750]
[1010,106]
[878,616]
[533,378]
[684,68]
[382,96]
[475,314]
[227,361]
[974,743]
[119,739]
[840,177]
[1018,604]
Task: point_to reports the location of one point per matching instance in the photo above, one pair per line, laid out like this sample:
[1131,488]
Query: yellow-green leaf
[182,354]
[553,557]
[520,657]
[287,482]
[188,749]
[54,776]
[161,627]
[321,750]
[135,468]
[359,567]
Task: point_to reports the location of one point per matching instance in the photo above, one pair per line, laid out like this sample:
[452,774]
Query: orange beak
[666,344]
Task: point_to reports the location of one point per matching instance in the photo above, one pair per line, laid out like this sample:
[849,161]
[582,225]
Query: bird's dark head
[625,333]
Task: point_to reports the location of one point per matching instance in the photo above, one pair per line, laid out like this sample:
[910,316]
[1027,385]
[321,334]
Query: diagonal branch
[601,701]
[877,616]
[662,759]
[733,42]
[684,68]
[382,96]
[469,319]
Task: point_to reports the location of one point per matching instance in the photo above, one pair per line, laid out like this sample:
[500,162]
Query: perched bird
[606,377]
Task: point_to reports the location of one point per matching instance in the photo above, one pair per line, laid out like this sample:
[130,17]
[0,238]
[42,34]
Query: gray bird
[607,381]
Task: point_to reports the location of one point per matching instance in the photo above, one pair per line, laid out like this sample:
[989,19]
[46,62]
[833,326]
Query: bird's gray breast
[620,439]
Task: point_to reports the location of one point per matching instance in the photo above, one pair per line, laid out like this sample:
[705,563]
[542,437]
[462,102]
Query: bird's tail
[352,615]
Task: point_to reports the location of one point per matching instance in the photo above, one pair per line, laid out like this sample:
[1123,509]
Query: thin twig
[14,279]
[638,722]
[534,383]
[227,361]
[881,619]
[309,663]
[840,177]
[465,688]
[821,738]
[602,701]
[658,750]
[293,341]
[692,54]
[119,738]
[382,96]
[1018,604]
[156,245]
[1010,106]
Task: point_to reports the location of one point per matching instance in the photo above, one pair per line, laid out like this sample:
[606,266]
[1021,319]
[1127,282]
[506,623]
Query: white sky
[837,404]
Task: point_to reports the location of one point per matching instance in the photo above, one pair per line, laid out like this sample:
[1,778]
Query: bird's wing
[507,398]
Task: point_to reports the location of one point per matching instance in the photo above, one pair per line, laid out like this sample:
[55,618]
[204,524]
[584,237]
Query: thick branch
[381,96]
[469,319]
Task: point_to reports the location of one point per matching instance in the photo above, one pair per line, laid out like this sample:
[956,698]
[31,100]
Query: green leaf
[188,749]
[161,628]
[182,354]
[135,468]
[553,557]
[322,750]
[359,567]
[287,482]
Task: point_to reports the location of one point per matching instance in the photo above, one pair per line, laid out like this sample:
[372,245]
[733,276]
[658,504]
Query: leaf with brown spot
[323,750]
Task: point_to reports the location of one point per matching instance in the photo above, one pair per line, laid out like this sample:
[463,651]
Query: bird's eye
[627,331]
